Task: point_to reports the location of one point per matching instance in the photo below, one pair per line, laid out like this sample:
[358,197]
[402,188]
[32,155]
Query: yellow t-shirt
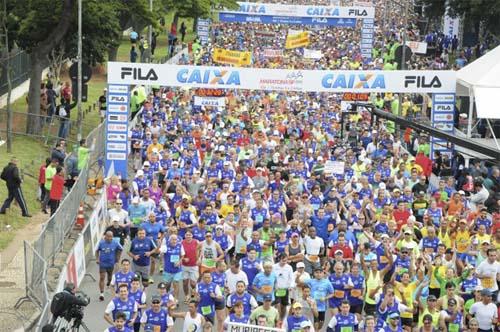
[225,210]
[408,293]
[445,239]
[434,283]
[482,238]
[462,240]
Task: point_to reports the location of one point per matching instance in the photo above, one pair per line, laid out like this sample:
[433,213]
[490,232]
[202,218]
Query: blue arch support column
[442,118]
[117,142]
[367,31]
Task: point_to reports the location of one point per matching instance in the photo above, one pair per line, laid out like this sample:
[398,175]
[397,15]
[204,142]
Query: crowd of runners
[232,214]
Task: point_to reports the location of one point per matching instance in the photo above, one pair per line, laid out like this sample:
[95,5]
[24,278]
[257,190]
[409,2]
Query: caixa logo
[422,82]
[208,76]
[353,81]
[252,8]
[139,74]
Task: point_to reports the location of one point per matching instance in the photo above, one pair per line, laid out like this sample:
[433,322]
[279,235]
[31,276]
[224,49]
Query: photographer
[63,302]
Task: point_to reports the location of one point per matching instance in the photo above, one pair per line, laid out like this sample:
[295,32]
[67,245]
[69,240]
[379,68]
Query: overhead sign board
[279,79]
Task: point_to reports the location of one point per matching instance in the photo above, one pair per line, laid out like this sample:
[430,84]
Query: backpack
[57,304]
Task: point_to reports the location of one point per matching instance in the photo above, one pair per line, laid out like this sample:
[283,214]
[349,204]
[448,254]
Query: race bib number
[127,314]
[346,329]
[259,218]
[243,250]
[339,294]
[209,263]
[267,289]
[384,259]
[174,258]
[315,206]
[206,310]
[156,328]
[313,258]
[281,292]
[453,327]
[355,292]
[487,282]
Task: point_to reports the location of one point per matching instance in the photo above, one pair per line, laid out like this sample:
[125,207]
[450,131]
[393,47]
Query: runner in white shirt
[235,274]
[284,283]
[489,272]
[314,247]
[485,312]
[193,320]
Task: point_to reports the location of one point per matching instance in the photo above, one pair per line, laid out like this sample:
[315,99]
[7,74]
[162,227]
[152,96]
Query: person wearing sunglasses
[156,318]
[451,319]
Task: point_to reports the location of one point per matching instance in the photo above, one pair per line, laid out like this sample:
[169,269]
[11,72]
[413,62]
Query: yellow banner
[228,57]
[297,40]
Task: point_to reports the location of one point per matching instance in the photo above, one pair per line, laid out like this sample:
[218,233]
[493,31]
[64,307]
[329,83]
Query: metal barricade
[35,277]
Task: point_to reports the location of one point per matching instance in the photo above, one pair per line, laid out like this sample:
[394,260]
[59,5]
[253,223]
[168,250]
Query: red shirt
[401,217]
[56,191]
[347,251]
[41,174]
[190,252]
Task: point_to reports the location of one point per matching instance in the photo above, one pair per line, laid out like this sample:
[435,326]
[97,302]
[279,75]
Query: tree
[42,24]
[485,12]
[133,13]
[197,8]
[7,55]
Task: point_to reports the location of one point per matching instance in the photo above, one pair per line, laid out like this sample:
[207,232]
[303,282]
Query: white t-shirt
[232,279]
[333,322]
[192,324]
[490,272]
[313,246]
[111,306]
[484,314]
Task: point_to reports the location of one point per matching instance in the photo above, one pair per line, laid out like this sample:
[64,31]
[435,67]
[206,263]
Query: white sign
[312,54]
[79,252]
[117,127]
[238,327]
[334,167]
[117,137]
[417,47]
[117,89]
[210,101]
[117,146]
[118,99]
[451,26]
[116,156]
[439,81]
[117,117]
[274,9]
[118,108]
[271,53]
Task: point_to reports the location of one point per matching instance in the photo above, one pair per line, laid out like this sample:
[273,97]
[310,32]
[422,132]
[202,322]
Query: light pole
[79,84]
[150,28]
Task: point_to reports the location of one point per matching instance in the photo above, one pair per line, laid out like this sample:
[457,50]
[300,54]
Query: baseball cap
[300,265]
[162,285]
[305,323]
[156,298]
[296,305]
[461,192]
[267,297]
[338,251]
[384,236]
[486,292]
[431,298]
[140,172]
[295,234]
[453,301]
[394,314]
[146,163]
[478,288]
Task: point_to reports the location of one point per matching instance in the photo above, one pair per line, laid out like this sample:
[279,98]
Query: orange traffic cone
[80,218]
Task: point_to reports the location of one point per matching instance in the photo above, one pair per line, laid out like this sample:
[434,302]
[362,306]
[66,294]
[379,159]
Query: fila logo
[138,74]
[357,12]
[421,82]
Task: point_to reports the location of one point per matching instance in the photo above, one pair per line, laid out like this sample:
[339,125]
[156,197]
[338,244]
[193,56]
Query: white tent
[481,81]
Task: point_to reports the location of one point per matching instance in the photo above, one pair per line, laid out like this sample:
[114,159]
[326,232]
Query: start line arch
[441,84]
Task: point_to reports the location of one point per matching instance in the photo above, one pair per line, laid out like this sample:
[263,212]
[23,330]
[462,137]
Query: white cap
[140,172]
[135,200]
[146,163]
[320,158]
[300,264]
[175,162]
[227,163]
[381,186]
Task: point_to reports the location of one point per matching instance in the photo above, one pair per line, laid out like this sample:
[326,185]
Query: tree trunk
[175,20]
[38,59]
[112,53]
[195,22]
[33,123]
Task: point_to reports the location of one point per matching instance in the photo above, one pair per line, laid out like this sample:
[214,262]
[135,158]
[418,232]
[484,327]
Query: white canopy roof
[481,78]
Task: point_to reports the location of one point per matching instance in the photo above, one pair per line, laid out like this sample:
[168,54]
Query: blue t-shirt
[140,247]
[320,289]
[265,283]
[153,229]
[107,253]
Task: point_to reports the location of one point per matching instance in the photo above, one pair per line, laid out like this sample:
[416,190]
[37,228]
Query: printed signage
[116,162]
[203,30]
[274,9]
[228,57]
[209,101]
[315,21]
[443,111]
[357,81]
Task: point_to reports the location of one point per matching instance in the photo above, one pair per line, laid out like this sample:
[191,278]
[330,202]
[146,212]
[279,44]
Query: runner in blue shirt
[107,254]
[265,282]
[119,324]
[321,291]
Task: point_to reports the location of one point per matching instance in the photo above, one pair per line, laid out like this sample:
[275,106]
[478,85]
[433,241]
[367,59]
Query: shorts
[407,322]
[356,309]
[190,272]
[370,309]
[172,277]
[320,318]
[108,270]
[142,271]
[283,300]
[220,305]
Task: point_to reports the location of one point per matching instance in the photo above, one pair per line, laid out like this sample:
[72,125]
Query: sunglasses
[156,302]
